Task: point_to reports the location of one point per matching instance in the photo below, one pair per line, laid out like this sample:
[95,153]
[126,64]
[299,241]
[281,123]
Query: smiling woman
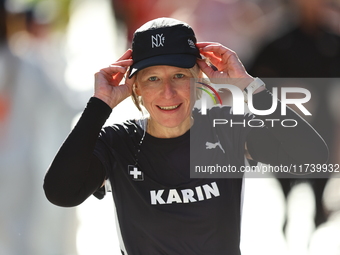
[160,209]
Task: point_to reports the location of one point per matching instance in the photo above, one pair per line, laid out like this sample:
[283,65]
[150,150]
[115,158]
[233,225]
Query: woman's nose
[169,90]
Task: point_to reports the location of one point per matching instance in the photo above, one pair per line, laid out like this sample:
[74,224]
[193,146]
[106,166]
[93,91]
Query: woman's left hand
[225,60]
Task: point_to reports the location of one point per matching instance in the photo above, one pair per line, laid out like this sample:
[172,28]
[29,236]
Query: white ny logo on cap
[157,40]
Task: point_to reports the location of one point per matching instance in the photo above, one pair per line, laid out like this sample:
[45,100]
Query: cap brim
[178,60]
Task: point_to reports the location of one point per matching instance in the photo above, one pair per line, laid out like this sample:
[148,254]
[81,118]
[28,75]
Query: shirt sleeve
[76,172]
[277,144]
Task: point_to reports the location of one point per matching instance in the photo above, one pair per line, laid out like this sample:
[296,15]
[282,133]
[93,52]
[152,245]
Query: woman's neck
[156,130]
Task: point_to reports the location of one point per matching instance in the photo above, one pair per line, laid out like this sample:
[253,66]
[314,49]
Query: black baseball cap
[164,41]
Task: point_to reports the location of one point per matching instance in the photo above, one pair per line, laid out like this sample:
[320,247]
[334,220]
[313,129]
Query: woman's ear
[137,91]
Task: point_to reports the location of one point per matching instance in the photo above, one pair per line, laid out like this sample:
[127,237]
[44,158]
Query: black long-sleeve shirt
[161,210]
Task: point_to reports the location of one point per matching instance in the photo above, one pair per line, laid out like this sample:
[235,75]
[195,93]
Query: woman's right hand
[107,81]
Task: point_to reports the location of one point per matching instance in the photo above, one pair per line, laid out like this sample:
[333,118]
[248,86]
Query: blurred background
[49,52]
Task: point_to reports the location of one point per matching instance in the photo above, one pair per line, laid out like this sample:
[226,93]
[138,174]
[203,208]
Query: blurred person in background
[310,48]
[31,107]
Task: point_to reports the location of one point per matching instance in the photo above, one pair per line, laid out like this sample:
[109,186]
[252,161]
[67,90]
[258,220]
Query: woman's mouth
[169,108]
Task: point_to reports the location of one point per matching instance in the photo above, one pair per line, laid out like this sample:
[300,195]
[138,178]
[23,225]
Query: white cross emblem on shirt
[137,175]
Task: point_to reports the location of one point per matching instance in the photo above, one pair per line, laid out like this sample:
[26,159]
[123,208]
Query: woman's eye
[153,78]
[179,75]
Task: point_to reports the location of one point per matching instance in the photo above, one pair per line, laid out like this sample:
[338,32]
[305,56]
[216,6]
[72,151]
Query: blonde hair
[137,100]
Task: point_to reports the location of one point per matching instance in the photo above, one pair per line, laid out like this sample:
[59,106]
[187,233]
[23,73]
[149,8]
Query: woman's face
[165,91]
